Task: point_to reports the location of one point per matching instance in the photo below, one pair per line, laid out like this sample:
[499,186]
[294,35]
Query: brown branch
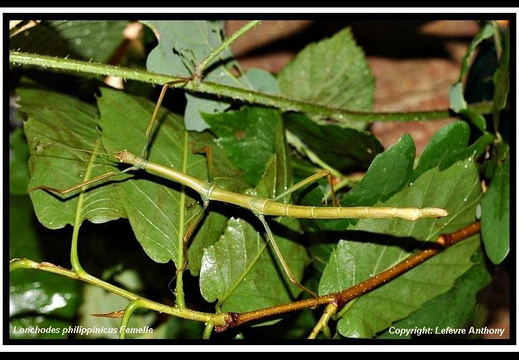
[342,297]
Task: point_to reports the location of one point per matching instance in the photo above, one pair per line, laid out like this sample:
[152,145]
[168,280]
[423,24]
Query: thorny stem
[339,299]
[332,115]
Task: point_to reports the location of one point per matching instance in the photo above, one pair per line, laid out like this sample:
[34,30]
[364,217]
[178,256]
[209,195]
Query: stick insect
[261,207]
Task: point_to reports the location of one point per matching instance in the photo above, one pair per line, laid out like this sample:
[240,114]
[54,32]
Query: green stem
[185,313]
[181,260]
[78,218]
[329,311]
[128,312]
[208,330]
[227,42]
[338,116]
[497,39]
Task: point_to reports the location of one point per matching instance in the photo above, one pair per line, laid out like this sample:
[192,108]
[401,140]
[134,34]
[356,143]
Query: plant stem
[329,311]
[332,115]
[227,42]
[179,287]
[128,312]
[185,313]
[342,297]
[78,217]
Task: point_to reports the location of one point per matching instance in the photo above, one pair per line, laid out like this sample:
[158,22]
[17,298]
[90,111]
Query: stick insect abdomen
[359,212]
[264,206]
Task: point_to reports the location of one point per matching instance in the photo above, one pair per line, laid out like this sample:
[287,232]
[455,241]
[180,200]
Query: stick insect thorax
[270,207]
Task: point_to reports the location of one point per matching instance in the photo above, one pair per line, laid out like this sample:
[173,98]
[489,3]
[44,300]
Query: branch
[339,299]
[332,115]
[185,313]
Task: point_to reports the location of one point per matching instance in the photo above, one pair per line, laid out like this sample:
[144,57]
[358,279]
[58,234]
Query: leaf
[456,92]
[495,219]
[240,266]
[502,78]
[89,40]
[456,98]
[486,32]
[355,261]
[57,126]
[240,272]
[346,149]
[456,189]
[333,72]
[182,45]
[451,144]
[378,309]
[387,174]
[151,204]
[247,137]
[457,304]
[38,301]
[18,159]
[158,210]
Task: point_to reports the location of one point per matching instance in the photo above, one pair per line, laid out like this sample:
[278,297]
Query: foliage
[129,231]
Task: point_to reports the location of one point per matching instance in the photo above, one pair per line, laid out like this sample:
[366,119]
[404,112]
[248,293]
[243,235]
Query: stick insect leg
[308,181]
[280,257]
[189,232]
[80,185]
[200,215]
[209,156]
[156,111]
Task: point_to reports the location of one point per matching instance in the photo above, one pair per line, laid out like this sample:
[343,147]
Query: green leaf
[486,32]
[456,92]
[18,159]
[41,304]
[247,137]
[457,304]
[182,45]
[152,200]
[451,144]
[388,173]
[495,219]
[240,272]
[263,81]
[456,98]
[240,266]
[346,149]
[455,189]
[377,310]
[152,205]
[58,125]
[89,40]
[502,77]
[333,72]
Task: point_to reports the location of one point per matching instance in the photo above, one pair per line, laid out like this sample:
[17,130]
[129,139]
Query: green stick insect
[261,207]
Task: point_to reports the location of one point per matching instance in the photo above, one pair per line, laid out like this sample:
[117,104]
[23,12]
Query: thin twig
[340,298]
